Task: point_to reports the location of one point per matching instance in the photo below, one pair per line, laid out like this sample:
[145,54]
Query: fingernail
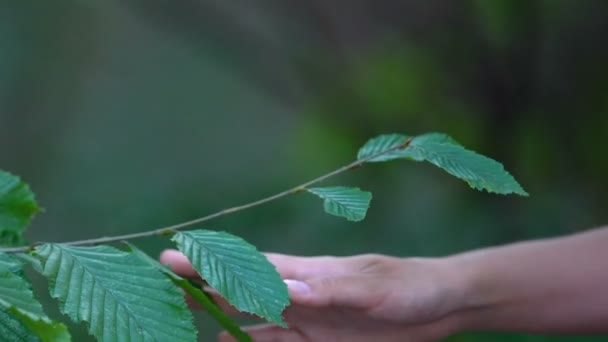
[297,287]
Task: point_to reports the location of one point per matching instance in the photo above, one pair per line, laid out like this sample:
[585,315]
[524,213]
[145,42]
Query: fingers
[266,333]
[289,267]
[178,262]
[312,281]
[180,265]
[302,268]
[352,291]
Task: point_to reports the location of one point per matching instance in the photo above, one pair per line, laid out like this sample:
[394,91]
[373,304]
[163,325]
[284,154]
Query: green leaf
[15,291]
[434,137]
[44,328]
[235,269]
[11,263]
[350,203]
[29,260]
[381,143]
[414,152]
[21,315]
[197,294]
[12,329]
[120,296]
[480,172]
[17,207]
[387,141]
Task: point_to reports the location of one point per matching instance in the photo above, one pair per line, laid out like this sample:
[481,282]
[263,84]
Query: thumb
[350,291]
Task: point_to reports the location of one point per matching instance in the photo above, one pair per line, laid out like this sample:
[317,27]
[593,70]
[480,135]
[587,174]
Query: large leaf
[21,315]
[121,297]
[17,207]
[350,203]
[235,269]
[480,172]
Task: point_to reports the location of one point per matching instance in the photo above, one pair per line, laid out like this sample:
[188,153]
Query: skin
[554,286]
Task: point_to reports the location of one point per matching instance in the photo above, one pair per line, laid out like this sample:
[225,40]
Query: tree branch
[172,229]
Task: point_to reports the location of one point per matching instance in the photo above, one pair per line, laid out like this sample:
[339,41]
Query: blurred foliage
[136,114]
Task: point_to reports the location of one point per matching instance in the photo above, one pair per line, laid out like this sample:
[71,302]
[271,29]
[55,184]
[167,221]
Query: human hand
[359,298]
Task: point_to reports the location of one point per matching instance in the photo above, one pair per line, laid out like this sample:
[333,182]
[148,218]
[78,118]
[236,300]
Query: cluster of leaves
[124,295]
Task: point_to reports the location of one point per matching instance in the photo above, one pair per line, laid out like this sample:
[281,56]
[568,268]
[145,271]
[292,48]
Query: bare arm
[547,286]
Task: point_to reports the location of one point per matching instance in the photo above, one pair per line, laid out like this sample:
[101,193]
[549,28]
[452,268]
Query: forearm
[547,286]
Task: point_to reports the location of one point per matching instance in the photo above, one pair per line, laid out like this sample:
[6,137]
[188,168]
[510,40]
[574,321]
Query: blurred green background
[130,115]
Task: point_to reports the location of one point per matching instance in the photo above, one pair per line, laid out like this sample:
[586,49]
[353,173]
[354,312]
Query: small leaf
[382,143]
[480,172]
[118,294]
[350,203]
[387,141]
[21,315]
[414,152]
[17,207]
[235,269]
[434,137]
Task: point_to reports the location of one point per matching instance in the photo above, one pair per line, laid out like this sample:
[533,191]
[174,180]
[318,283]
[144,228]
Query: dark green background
[130,115]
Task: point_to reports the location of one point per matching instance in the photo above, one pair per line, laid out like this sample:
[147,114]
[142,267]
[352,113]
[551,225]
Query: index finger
[304,268]
[288,266]
[179,263]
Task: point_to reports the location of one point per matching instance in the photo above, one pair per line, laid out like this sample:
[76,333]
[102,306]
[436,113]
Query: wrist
[469,291]
[451,292]
[452,287]
[485,287]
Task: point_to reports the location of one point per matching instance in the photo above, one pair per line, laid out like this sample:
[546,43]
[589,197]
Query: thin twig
[214,311]
[171,229]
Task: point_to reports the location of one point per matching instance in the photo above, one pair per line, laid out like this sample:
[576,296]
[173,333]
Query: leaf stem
[173,228]
[214,311]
